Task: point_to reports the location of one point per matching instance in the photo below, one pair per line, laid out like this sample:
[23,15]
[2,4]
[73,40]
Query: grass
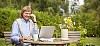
[91,40]
[88,40]
[2,42]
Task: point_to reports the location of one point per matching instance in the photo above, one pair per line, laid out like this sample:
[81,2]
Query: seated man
[23,28]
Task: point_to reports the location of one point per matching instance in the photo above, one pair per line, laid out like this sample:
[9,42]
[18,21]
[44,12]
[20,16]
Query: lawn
[88,40]
[92,40]
[2,42]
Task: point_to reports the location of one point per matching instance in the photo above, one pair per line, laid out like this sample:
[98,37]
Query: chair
[75,35]
[7,38]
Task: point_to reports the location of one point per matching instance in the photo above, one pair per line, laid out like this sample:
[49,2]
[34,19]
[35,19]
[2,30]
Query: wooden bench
[74,35]
[7,38]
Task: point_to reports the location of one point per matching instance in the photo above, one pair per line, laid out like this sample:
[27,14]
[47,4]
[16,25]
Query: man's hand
[21,39]
[26,38]
[33,17]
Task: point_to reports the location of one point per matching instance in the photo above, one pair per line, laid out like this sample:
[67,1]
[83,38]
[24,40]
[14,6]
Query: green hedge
[7,16]
[46,19]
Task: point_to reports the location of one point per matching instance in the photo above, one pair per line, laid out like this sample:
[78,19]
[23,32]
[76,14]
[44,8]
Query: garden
[48,14]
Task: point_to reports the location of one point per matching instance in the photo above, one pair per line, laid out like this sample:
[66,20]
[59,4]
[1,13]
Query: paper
[47,39]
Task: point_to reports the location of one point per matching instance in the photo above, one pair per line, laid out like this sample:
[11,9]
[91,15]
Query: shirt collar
[24,20]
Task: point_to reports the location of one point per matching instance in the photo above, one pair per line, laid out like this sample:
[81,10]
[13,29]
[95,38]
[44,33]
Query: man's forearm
[15,39]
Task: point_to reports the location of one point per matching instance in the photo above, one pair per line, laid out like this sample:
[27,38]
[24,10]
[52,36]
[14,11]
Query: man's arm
[15,33]
[36,30]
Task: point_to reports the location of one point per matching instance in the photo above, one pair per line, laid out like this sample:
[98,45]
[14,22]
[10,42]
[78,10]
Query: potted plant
[64,31]
[65,28]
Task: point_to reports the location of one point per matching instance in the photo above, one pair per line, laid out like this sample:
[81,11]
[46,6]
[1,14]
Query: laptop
[46,31]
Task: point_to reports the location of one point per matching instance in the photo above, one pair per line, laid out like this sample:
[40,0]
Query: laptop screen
[46,31]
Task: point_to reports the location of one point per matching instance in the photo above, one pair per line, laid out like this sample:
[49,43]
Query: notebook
[46,31]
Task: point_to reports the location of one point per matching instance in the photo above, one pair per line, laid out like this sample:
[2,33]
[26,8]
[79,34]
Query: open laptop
[46,31]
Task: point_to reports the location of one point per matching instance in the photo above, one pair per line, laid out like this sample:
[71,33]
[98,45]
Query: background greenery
[48,14]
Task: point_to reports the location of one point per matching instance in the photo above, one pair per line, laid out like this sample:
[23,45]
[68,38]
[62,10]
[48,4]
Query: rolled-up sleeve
[36,31]
[15,33]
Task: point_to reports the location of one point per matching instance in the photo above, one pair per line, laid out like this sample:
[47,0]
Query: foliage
[47,13]
[46,19]
[89,17]
[67,24]
[7,16]
[51,6]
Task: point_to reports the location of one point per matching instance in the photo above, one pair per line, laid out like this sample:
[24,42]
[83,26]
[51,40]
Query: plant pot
[64,34]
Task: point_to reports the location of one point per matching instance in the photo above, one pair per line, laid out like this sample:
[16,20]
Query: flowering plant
[67,23]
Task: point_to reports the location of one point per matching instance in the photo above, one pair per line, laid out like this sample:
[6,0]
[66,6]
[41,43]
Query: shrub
[7,16]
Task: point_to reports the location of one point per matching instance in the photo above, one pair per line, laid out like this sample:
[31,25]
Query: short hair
[26,8]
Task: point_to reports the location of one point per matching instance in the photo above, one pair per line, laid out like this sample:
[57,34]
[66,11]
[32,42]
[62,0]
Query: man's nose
[28,15]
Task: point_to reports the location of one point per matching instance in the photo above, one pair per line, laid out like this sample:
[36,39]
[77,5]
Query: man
[23,28]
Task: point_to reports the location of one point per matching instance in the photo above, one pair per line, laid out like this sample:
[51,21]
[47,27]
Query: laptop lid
[46,31]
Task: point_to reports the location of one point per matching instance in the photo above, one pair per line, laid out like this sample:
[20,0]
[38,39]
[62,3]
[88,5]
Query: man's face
[26,15]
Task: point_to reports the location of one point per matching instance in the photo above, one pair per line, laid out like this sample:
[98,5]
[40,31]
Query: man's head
[26,12]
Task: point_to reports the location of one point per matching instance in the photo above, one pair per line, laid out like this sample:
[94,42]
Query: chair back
[7,38]
[74,34]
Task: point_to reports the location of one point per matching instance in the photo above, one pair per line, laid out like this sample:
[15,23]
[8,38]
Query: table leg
[59,45]
[68,44]
[37,45]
